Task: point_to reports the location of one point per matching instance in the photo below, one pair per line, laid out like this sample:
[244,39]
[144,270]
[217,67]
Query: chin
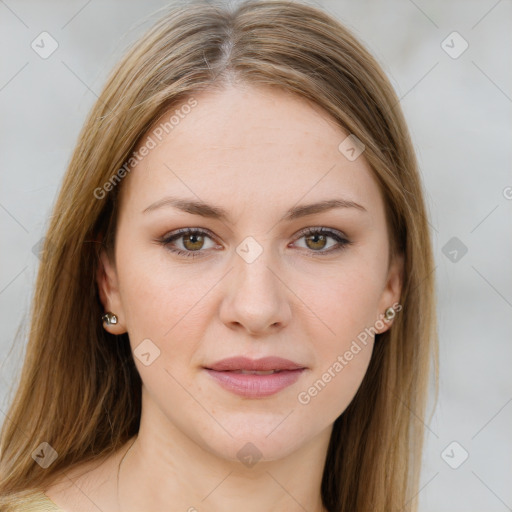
[255,441]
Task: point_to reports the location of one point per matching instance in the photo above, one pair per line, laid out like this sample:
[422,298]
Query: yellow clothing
[36,502]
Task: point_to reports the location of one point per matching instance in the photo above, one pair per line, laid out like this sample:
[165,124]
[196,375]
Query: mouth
[255,372]
[255,378]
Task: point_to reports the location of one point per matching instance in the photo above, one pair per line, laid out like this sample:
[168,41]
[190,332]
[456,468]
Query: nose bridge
[254,260]
[257,299]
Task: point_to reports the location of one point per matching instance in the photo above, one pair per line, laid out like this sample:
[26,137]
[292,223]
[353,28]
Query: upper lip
[263,364]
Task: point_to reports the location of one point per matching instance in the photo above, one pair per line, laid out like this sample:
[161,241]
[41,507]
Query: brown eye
[192,241]
[316,239]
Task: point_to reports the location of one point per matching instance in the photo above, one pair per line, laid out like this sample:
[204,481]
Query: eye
[193,241]
[316,240]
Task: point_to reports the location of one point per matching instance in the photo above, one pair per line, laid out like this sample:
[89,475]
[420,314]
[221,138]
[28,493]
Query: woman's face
[252,283]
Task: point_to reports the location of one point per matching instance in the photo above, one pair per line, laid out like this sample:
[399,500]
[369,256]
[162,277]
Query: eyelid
[301,233]
[321,230]
[341,239]
[179,233]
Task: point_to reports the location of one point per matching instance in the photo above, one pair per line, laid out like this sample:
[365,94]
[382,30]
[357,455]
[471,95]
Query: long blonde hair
[79,389]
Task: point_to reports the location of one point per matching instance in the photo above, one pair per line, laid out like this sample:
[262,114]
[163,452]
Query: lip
[263,364]
[227,374]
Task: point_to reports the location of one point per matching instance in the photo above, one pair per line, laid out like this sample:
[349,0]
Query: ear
[391,294]
[108,288]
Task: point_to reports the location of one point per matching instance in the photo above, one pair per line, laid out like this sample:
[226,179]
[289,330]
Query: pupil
[193,239]
[316,238]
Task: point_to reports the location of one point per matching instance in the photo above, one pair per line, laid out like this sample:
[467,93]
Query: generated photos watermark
[152,140]
[305,397]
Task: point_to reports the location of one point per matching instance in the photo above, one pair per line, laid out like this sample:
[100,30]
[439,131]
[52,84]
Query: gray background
[459,114]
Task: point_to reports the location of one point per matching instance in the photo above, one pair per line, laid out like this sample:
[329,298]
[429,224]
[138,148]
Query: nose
[256,299]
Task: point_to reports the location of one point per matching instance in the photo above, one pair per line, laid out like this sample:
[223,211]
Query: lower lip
[255,386]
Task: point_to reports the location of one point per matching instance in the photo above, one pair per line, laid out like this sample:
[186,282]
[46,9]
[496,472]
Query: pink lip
[226,373]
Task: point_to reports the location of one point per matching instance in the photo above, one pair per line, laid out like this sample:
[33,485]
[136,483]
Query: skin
[256,152]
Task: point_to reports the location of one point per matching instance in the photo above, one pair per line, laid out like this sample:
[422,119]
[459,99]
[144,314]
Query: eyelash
[165,241]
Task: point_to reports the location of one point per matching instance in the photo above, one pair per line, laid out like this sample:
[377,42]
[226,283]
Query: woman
[235,305]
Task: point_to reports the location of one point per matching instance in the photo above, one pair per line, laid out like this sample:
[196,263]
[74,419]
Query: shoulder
[86,487]
[77,490]
[36,501]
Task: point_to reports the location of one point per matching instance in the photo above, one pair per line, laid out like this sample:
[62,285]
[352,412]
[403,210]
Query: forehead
[260,146]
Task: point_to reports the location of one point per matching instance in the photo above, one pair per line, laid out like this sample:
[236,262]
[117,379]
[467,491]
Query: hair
[79,389]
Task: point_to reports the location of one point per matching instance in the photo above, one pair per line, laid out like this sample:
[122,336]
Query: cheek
[166,304]
[344,299]
[344,348]
[331,390]
[155,293]
[346,305]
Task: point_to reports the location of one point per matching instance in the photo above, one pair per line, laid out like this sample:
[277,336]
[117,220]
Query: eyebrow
[216,212]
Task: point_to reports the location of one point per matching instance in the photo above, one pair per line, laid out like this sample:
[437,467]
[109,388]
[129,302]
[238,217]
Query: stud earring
[390,313]
[109,318]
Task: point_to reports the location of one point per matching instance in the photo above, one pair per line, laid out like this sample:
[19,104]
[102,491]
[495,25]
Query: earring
[109,318]
[390,313]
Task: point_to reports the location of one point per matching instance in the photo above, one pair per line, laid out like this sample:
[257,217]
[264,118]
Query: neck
[159,471]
